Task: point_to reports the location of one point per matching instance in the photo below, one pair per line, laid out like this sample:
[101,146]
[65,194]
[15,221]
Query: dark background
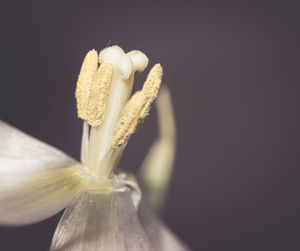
[233,70]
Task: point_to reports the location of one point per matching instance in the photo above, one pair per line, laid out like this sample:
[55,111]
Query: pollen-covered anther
[84,82]
[151,87]
[99,93]
[129,120]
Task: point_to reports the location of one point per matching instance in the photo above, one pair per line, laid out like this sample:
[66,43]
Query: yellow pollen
[151,88]
[129,120]
[84,82]
[99,93]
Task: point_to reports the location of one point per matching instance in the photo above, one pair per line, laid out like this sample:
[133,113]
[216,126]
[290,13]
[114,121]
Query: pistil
[102,100]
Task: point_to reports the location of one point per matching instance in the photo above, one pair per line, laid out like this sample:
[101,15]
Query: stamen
[129,120]
[84,82]
[84,142]
[99,93]
[151,87]
[119,93]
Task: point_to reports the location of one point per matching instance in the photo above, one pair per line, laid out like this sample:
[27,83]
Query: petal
[155,176]
[22,156]
[36,180]
[157,167]
[162,239]
[102,222]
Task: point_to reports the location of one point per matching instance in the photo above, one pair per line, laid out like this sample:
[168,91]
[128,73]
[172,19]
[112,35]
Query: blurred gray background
[233,70]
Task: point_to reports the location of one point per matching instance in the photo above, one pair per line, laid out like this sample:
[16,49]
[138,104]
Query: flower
[104,210]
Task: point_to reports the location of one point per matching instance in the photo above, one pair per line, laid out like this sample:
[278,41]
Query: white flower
[102,205]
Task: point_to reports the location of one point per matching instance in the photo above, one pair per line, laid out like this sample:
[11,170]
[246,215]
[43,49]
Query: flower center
[103,102]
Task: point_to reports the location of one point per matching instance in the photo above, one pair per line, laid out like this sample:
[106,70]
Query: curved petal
[22,156]
[36,180]
[162,239]
[101,221]
[157,168]
[155,176]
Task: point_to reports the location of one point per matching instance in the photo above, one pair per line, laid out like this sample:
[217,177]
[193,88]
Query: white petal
[162,239]
[36,180]
[102,222]
[22,156]
[158,165]
[155,176]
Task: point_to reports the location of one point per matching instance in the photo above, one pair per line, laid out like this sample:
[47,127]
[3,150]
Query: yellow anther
[153,81]
[84,82]
[129,120]
[99,93]
[151,87]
